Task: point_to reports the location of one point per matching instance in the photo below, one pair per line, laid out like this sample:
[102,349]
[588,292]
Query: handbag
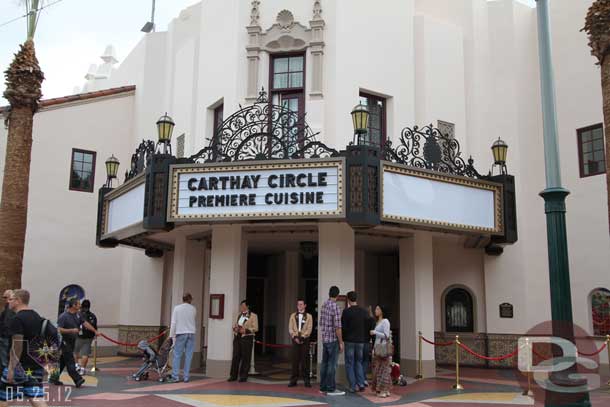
[385,348]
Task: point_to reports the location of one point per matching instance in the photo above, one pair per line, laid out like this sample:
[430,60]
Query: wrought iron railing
[427,148]
[263,131]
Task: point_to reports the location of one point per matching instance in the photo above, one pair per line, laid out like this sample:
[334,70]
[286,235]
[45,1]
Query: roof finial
[255,13]
[317,10]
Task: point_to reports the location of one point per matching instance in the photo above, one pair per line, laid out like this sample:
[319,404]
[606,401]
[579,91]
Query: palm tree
[597,26]
[23,92]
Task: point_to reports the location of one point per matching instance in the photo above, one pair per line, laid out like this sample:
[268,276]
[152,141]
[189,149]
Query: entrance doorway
[275,280]
[377,280]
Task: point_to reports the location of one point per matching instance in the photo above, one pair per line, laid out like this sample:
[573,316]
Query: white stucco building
[471,65]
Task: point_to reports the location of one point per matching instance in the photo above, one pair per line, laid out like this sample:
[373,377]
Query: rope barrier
[509,355]
[596,352]
[438,343]
[498,358]
[132,345]
[540,355]
[272,345]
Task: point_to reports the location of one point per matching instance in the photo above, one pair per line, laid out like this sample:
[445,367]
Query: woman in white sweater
[382,370]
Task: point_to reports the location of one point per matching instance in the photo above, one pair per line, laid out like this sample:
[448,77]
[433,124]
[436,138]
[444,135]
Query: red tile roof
[81,96]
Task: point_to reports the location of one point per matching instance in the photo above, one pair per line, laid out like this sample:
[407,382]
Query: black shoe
[232,379]
[307,384]
[243,379]
[56,382]
[292,384]
[79,383]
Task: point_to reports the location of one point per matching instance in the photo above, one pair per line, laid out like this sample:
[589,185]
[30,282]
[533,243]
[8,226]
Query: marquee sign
[124,208]
[257,190]
[433,199]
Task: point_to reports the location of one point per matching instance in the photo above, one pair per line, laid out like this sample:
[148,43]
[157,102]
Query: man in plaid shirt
[332,343]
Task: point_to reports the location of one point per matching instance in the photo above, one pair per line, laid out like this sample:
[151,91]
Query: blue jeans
[185,343]
[330,354]
[353,364]
[366,359]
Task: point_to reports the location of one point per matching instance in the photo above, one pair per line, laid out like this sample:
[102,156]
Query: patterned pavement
[112,386]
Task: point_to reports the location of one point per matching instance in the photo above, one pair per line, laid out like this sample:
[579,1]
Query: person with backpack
[82,348]
[70,325]
[23,379]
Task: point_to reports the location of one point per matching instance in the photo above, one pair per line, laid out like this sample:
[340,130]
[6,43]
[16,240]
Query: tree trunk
[13,207]
[23,83]
[606,100]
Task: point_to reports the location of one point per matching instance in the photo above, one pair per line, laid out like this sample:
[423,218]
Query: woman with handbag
[382,355]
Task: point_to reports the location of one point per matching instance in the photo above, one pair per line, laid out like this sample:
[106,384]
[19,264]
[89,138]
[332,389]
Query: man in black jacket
[354,322]
[6,316]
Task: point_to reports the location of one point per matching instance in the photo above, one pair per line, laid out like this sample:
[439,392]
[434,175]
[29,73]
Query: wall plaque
[506,310]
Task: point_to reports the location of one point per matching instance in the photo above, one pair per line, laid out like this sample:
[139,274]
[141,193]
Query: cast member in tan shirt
[244,330]
[300,326]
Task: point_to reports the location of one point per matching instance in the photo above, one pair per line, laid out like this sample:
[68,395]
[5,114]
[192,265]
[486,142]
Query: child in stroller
[153,360]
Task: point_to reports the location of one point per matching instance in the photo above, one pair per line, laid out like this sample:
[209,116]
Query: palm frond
[32,10]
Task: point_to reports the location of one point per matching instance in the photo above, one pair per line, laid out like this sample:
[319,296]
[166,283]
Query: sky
[72,34]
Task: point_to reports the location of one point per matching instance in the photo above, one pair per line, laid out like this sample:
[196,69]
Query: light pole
[554,206]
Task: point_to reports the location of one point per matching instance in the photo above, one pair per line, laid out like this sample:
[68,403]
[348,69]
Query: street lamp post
[554,198]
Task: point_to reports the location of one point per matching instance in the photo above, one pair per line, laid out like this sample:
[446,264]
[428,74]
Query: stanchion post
[529,391]
[94,369]
[457,385]
[420,371]
[311,376]
[608,351]
[252,371]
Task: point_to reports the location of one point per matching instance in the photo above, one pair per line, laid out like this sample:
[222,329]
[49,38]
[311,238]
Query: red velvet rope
[541,356]
[594,353]
[271,345]
[437,343]
[508,356]
[133,345]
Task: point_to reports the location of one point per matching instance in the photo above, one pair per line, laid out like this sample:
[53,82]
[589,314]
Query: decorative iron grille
[140,159]
[429,149]
[263,131]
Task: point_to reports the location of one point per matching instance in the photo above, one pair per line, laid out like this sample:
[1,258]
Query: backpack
[49,332]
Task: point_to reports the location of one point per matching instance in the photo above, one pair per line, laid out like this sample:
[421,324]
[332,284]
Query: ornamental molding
[285,35]
[285,19]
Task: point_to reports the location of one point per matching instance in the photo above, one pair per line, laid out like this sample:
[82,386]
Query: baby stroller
[156,361]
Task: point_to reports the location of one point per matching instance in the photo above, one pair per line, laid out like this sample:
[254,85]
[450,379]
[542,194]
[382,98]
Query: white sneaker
[335,393]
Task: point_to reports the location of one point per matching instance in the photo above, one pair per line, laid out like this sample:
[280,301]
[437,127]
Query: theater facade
[270,213]
[245,170]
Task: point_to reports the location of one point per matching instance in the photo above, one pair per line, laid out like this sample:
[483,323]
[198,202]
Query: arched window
[67,293]
[459,311]
[600,311]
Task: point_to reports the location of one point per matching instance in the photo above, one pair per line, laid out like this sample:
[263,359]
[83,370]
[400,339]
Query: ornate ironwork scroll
[263,131]
[428,148]
[140,159]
